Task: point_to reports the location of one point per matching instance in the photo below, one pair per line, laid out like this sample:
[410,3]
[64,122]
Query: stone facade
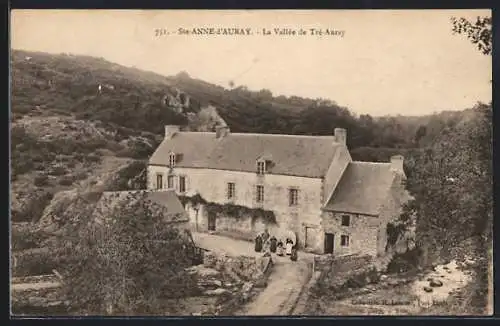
[367,233]
[212,186]
[362,232]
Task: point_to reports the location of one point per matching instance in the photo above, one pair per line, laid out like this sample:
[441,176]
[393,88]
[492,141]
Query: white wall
[212,186]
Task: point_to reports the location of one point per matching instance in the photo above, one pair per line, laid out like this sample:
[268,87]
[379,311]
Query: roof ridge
[370,163]
[260,134]
[281,135]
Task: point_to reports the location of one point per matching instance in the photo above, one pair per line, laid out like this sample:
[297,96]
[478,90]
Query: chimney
[171,130]
[397,163]
[340,135]
[221,131]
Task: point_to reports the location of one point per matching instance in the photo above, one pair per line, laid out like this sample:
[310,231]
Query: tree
[420,133]
[128,261]
[478,32]
[452,185]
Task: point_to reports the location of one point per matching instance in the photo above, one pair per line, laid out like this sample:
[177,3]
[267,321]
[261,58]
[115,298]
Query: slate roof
[166,200]
[362,189]
[307,156]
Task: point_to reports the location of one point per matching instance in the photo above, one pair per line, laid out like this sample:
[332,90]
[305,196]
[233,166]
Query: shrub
[404,262]
[34,210]
[362,278]
[36,262]
[81,176]
[93,158]
[66,181]
[22,239]
[131,264]
[41,180]
[58,170]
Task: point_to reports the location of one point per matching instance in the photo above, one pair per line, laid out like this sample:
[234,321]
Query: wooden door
[329,242]
[211,221]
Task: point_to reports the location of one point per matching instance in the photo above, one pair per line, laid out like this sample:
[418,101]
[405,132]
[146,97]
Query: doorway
[311,236]
[211,221]
[329,241]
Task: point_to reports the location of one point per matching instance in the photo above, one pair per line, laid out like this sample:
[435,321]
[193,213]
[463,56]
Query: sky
[386,62]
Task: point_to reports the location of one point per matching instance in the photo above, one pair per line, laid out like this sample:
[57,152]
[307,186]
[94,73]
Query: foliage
[131,177]
[238,211]
[66,181]
[230,210]
[70,83]
[33,209]
[478,32]
[37,261]
[403,262]
[393,232]
[127,263]
[22,239]
[195,200]
[452,185]
[361,279]
[397,228]
[41,180]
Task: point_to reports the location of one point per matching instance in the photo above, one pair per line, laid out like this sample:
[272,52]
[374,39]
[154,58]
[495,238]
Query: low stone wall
[244,267]
[340,263]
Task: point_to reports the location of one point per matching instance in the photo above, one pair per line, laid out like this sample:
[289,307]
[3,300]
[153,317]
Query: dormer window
[261,167]
[171,160]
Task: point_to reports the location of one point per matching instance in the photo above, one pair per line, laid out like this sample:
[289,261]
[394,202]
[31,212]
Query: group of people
[264,242]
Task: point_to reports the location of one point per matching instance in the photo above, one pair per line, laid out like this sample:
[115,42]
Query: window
[182,184]
[261,167]
[171,160]
[293,196]
[231,190]
[159,181]
[170,181]
[344,240]
[260,193]
[346,220]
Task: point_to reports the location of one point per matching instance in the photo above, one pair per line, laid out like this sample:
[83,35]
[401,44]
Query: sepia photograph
[251,163]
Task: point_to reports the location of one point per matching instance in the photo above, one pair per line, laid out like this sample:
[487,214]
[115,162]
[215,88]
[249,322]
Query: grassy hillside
[72,114]
[67,84]
[64,84]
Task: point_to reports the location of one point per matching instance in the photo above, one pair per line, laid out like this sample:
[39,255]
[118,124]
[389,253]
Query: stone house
[309,184]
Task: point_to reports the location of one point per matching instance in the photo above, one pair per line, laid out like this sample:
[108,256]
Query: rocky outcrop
[205,120]
[241,268]
[232,280]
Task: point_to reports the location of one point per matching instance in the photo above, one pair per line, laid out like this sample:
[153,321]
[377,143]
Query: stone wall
[245,268]
[362,231]
[341,263]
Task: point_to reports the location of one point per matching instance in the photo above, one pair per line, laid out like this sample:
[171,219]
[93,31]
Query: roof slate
[307,156]
[363,188]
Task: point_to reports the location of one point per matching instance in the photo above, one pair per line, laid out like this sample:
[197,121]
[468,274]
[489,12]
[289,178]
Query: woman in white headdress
[290,240]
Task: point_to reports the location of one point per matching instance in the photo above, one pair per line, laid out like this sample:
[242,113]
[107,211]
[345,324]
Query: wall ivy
[230,210]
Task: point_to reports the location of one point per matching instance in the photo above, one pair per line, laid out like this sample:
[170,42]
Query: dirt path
[282,292]
[284,284]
